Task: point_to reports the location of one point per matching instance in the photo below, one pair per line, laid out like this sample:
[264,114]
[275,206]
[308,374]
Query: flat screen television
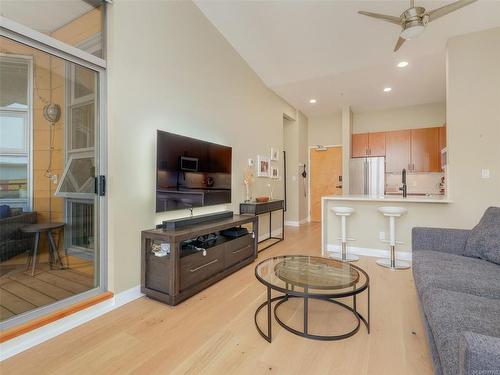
[191,172]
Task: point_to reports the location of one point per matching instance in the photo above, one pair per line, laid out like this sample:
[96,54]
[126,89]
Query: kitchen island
[368,226]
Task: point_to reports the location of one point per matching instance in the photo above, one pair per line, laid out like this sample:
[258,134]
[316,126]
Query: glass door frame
[19,33]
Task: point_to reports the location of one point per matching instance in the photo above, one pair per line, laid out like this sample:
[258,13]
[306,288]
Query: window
[15,156]
[77,180]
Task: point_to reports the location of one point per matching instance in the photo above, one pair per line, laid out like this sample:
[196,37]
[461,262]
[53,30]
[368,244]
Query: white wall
[419,116]
[170,69]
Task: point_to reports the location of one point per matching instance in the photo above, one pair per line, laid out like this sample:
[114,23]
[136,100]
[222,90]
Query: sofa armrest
[479,354]
[439,239]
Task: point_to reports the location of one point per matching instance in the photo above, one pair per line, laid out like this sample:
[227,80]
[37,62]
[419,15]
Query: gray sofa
[457,276]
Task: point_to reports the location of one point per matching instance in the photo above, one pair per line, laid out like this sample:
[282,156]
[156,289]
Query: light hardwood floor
[214,333]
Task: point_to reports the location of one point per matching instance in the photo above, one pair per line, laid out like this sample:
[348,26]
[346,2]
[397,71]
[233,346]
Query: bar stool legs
[392,213]
[344,212]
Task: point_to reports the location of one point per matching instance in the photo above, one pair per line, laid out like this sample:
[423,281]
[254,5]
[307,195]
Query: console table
[259,208]
[175,273]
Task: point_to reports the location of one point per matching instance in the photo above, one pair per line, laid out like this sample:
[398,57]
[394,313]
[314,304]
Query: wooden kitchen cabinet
[425,152]
[376,144]
[397,150]
[359,145]
[368,144]
[442,137]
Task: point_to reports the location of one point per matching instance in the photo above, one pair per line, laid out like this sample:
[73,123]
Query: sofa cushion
[4,211]
[449,314]
[455,272]
[484,239]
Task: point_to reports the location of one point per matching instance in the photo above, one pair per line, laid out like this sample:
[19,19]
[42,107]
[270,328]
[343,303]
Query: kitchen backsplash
[418,183]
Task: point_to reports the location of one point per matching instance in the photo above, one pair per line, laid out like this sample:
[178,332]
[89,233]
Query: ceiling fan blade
[384,17]
[443,11]
[399,43]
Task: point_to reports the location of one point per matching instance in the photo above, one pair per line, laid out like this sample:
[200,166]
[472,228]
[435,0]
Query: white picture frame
[275,152]
[263,166]
[274,173]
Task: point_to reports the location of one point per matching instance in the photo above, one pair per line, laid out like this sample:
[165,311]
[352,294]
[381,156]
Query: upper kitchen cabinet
[397,150]
[376,144]
[425,152]
[368,144]
[359,145]
[442,137]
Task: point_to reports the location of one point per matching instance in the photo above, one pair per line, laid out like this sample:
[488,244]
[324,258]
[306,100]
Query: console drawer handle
[240,250]
[203,266]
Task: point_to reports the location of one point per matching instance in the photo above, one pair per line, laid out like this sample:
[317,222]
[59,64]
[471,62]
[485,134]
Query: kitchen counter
[367,224]
[390,198]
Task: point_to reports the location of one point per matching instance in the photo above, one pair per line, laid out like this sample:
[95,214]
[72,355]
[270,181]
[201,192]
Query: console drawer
[239,249]
[196,267]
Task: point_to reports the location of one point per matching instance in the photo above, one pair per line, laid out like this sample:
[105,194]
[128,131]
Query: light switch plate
[250,162]
[485,173]
[381,235]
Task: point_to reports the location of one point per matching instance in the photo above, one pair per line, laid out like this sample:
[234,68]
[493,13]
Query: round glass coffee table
[309,277]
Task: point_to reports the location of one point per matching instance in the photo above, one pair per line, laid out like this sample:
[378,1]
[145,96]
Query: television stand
[171,271]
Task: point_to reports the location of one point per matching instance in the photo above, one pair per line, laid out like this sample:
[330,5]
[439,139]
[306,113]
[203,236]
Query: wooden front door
[326,170]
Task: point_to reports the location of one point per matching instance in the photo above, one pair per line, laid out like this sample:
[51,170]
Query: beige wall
[181,76]
[296,147]
[325,130]
[473,119]
[303,151]
[419,116]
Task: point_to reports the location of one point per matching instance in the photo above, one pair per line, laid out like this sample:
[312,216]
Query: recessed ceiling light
[387,89]
[313,101]
[402,64]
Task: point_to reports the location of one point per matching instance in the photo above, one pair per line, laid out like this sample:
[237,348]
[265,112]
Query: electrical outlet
[381,236]
[485,173]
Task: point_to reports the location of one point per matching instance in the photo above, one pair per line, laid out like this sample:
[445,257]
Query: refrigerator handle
[367,176]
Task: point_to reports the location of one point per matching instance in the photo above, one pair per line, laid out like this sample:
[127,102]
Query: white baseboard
[46,332]
[377,253]
[296,223]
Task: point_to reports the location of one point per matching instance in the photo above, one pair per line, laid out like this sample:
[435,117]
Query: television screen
[190,172]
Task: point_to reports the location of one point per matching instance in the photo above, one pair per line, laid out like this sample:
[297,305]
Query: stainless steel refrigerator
[367,176]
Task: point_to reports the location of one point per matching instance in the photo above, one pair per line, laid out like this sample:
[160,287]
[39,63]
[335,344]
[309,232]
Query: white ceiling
[325,50]
[42,15]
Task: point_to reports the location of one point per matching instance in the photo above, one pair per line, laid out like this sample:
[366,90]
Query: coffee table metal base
[284,298]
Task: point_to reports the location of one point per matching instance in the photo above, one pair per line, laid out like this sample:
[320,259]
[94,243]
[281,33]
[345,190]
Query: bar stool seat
[344,212]
[392,213]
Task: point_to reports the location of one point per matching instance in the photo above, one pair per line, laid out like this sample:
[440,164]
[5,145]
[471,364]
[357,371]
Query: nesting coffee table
[309,277]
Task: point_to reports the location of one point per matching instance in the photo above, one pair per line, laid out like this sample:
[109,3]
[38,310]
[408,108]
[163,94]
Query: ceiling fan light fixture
[412,30]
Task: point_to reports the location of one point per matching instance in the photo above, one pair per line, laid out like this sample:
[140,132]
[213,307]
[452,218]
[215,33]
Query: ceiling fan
[414,19]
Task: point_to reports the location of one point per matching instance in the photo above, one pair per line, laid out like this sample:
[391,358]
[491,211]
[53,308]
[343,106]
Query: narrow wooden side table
[38,229]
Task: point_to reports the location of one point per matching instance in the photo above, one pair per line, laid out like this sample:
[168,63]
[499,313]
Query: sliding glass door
[52,223]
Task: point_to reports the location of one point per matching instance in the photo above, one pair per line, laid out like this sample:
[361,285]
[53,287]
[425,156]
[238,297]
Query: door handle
[339,186]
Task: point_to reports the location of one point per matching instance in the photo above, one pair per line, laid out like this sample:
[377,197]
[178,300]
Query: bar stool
[392,213]
[344,212]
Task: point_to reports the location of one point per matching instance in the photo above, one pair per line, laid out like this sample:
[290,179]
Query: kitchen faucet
[404,188]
